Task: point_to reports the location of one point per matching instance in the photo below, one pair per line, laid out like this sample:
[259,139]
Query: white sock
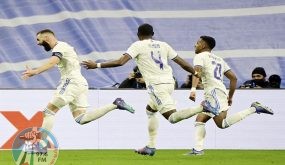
[184,114]
[152,129]
[95,114]
[200,133]
[48,121]
[237,117]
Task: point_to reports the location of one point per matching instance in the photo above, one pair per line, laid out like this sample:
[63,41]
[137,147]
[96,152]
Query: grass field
[162,157]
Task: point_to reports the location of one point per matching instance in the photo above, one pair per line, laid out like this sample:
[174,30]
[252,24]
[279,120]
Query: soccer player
[212,69]
[73,87]
[151,57]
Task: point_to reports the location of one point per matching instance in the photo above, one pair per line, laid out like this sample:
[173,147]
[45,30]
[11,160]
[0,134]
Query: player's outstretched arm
[185,65]
[89,64]
[110,64]
[31,72]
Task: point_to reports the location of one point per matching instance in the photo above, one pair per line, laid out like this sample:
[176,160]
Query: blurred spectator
[188,83]
[135,80]
[274,81]
[258,79]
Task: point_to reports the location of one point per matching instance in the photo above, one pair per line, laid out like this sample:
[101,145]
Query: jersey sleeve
[133,50]
[226,67]
[171,52]
[58,52]
[198,60]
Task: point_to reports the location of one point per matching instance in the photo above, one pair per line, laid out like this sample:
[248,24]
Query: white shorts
[218,100]
[160,97]
[72,94]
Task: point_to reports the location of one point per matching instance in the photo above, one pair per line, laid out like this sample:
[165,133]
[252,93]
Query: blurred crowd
[258,80]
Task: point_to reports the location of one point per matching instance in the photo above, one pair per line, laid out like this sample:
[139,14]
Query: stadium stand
[249,33]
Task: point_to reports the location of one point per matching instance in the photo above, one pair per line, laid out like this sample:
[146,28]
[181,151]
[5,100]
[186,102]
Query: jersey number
[217,70]
[158,61]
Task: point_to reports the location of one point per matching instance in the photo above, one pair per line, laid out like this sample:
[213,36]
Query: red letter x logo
[20,122]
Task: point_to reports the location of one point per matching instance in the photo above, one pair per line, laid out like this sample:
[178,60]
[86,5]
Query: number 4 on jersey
[158,61]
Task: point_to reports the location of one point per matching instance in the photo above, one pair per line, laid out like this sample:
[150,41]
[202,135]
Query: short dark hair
[145,30]
[210,41]
[45,31]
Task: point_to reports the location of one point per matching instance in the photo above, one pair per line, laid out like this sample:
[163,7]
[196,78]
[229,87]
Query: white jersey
[213,69]
[69,65]
[152,58]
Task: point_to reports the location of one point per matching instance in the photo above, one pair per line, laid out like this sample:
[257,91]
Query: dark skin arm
[184,64]
[110,64]
[195,81]
[233,82]
[125,58]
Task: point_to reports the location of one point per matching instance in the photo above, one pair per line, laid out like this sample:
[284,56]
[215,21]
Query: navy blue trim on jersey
[175,57]
[57,54]
[127,54]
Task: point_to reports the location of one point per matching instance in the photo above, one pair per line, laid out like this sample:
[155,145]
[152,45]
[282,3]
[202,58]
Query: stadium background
[249,33]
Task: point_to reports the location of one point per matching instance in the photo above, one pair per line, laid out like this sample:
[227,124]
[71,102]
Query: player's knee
[220,125]
[150,114]
[149,109]
[59,102]
[172,116]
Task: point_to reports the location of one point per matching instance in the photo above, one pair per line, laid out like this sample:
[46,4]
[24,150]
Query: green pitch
[162,157]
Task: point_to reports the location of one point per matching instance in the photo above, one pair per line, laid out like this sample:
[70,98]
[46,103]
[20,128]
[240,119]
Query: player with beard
[73,88]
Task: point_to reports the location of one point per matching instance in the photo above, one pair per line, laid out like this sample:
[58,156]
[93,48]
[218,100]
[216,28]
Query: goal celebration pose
[212,69]
[151,57]
[73,87]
